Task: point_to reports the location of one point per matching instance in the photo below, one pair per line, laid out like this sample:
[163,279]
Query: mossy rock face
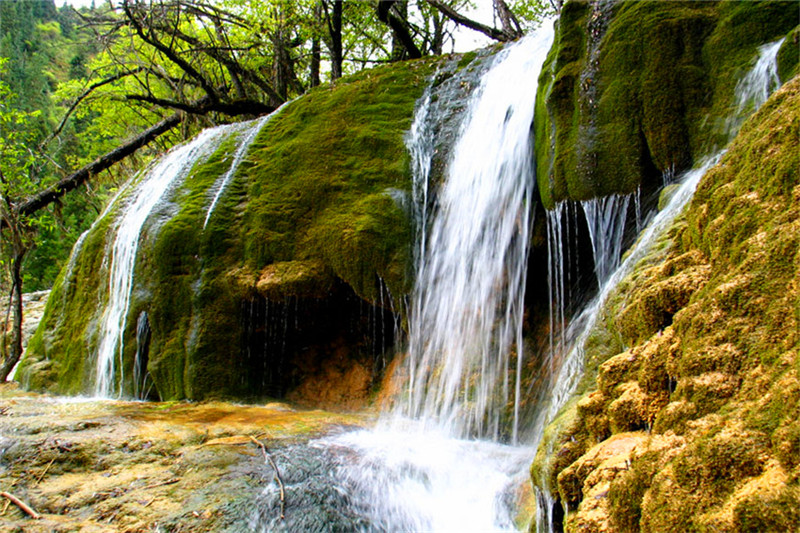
[633,90]
[789,56]
[313,223]
[713,380]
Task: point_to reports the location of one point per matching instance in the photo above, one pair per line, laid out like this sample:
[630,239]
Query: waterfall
[761,80]
[416,471]
[142,199]
[466,310]
[755,87]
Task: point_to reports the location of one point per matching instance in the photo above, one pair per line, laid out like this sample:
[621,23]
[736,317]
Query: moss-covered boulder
[302,257]
[709,378]
[635,90]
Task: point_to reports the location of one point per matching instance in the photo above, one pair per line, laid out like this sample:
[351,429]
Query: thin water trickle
[142,200]
[606,218]
[249,132]
[754,89]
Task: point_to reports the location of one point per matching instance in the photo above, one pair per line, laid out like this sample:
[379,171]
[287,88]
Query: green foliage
[43,49]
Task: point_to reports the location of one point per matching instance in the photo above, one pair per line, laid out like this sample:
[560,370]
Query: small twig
[41,476]
[161,484]
[22,505]
[268,458]
[5,507]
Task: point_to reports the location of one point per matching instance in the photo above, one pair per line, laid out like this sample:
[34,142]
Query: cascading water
[753,89]
[756,86]
[762,80]
[605,218]
[416,471]
[466,312]
[139,204]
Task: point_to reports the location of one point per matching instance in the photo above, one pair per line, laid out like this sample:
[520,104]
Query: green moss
[328,179]
[757,513]
[789,56]
[627,491]
[723,375]
[466,59]
[654,99]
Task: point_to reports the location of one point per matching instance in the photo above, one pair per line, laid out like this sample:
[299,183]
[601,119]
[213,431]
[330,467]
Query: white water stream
[466,311]
[146,194]
[248,133]
[417,471]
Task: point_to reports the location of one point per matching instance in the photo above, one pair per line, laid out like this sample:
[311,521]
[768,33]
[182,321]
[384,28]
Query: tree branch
[167,51]
[56,191]
[398,27]
[80,98]
[494,33]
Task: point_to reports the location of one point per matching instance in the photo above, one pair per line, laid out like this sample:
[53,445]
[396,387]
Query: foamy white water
[466,311]
[423,480]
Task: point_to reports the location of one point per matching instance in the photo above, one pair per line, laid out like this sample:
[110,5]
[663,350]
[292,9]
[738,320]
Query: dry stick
[268,457]
[41,476]
[22,505]
[5,507]
[162,483]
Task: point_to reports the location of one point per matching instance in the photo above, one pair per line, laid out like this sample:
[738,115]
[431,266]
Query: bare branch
[56,191]
[494,33]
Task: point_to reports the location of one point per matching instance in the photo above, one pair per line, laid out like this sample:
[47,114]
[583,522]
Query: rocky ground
[91,465]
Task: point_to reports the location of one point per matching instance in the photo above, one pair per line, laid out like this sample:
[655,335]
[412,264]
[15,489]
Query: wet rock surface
[99,465]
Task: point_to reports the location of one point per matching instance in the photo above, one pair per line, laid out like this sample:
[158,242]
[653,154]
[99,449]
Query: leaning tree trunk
[14,352]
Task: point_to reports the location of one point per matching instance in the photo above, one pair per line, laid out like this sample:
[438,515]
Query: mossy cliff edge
[634,90]
[689,416]
[312,230]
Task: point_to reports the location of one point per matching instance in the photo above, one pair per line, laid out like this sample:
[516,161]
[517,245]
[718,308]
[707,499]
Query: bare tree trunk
[399,51]
[77,178]
[334,20]
[438,34]
[507,19]
[316,53]
[452,14]
[15,349]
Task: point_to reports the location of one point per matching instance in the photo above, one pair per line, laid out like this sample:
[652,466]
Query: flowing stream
[145,195]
